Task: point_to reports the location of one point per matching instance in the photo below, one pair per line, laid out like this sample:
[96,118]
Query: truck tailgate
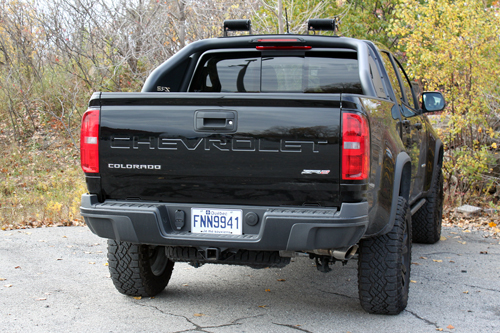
[252,149]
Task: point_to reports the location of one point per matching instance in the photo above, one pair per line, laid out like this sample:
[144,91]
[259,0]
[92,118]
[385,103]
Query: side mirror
[433,101]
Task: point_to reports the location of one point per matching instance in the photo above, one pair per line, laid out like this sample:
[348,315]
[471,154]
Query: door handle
[215,120]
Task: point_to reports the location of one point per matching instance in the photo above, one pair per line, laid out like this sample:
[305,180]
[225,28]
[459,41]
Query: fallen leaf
[413,281]
[185,284]
[492,224]
[65,237]
[41,299]
[268,290]
[263,306]
[442,238]
[17,267]
[8,286]
[281,280]
[450,327]
[467,230]
[106,264]
[483,252]
[198,314]
[423,258]
[137,297]
[2,279]
[437,260]
[59,259]
[466,292]
[439,329]
[452,261]
[92,262]
[415,263]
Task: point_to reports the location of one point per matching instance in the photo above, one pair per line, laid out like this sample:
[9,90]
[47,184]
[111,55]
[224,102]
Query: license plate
[216,221]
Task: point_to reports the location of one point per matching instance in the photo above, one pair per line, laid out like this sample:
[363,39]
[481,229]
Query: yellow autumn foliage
[454,47]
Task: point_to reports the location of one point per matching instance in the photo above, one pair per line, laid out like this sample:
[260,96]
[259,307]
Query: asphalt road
[56,280]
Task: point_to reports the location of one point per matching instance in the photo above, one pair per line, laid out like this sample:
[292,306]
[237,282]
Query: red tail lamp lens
[89,142]
[355,147]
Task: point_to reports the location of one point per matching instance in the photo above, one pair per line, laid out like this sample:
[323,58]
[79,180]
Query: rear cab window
[314,72]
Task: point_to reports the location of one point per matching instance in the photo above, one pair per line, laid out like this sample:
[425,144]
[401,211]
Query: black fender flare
[401,187]
[438,158]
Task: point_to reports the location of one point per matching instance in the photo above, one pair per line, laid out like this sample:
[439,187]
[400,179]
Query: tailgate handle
[215,120]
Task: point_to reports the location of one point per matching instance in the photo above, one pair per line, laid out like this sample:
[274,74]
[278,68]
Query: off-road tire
[138,270]
[428,219]
[384,267]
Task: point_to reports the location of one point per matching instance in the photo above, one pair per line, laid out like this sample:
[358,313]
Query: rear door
[413,131]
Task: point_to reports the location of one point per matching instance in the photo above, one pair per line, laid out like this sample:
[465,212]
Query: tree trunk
[280,17]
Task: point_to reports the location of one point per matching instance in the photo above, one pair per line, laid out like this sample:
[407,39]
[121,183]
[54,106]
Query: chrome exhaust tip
[345,254]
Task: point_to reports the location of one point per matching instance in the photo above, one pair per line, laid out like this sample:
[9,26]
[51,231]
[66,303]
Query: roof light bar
[237,25]
[323,24]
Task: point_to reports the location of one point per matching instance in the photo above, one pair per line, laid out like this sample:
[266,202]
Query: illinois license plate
[216,221]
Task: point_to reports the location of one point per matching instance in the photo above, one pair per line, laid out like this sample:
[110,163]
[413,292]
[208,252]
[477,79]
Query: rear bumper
[278,228]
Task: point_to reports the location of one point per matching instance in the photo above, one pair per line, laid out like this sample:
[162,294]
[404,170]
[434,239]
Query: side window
[377,81]
[407,87]
[393,77]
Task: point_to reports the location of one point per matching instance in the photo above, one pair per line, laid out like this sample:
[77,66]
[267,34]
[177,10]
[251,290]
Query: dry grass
[40,184]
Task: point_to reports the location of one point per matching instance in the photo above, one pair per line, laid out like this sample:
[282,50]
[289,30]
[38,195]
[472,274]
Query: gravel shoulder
[56,279]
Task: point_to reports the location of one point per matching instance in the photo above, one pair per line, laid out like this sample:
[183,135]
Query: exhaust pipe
[344,255]
[340,254]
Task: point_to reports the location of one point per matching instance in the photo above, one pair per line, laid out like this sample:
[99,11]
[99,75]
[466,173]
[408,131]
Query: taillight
[279,47]
[355,146]
[89,141]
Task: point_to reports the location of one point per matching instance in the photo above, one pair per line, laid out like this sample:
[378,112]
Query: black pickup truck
[250,150]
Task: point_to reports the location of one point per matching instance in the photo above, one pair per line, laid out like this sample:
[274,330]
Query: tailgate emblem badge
[315,172]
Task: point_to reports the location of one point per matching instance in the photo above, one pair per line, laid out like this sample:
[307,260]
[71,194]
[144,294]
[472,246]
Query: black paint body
[175,150]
